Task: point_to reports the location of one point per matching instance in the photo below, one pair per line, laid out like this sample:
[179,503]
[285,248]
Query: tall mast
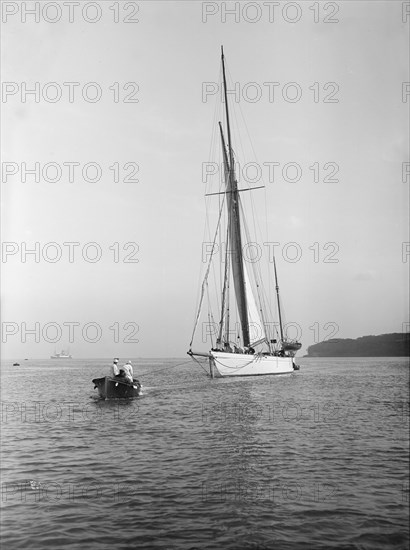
[231,163]
[277,296]
[235,239]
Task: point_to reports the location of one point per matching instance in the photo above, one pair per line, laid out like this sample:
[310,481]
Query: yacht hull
[237,364]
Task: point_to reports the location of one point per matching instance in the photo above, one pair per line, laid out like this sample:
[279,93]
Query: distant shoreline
[396,344]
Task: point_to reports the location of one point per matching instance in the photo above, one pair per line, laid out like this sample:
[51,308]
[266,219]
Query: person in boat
[218,346]
[119,372]
[115,371]
[227,347]
[127,372]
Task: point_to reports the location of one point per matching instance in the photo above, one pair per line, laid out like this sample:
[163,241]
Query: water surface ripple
[313,460]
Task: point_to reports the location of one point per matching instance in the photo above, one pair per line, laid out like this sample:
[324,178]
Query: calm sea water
[316,459]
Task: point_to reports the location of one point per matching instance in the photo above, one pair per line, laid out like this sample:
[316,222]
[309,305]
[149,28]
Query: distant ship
[62,355]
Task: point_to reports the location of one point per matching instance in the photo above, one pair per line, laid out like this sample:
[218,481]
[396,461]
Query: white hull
[238,364]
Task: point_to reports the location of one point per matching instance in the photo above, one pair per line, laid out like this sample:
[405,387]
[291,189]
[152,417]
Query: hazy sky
[346,115]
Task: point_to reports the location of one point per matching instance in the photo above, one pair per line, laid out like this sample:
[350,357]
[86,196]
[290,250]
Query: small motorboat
[16,364]
[114,388]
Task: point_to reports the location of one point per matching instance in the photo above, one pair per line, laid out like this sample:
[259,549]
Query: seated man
[127,372]
[114,369]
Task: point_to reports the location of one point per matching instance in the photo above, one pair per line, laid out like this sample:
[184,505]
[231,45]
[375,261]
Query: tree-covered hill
[383,345]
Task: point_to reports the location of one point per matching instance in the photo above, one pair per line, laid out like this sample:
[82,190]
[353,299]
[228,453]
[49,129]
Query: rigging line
[224,290]
[199,384]
[217,110]
[212,155]
[214,274]
[219,272]
[265,301]
[264,296]
[206,236]
[215,271]
[257,275]
[197,361]
[210,323]
[206,276]
[166,368]
[263,180]
[239,139]
[258,234]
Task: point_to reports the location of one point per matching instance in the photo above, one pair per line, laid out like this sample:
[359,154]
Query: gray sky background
[170,53]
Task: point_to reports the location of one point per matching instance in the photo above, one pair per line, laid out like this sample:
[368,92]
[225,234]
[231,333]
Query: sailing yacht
[254,349]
